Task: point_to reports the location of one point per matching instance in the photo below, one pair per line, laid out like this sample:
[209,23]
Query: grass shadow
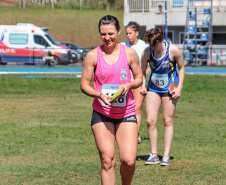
[145,157]
[145,138]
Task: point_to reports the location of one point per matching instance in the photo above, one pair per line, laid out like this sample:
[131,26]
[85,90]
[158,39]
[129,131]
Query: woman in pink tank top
[111,64]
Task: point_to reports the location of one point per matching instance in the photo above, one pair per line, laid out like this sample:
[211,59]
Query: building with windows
[182,18]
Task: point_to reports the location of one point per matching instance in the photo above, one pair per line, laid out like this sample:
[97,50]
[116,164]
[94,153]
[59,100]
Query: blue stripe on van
[22,59]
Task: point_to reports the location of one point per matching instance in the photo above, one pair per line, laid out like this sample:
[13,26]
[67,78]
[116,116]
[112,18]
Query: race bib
[160,80]
[110,89]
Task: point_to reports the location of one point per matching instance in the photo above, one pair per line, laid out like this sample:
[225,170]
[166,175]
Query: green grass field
[45,135]
[74,26]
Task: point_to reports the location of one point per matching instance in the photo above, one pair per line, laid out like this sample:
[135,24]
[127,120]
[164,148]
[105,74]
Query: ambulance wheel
[55,61]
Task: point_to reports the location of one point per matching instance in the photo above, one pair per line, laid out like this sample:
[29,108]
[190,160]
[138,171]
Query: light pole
[195,37]
[166,28]
[161,12]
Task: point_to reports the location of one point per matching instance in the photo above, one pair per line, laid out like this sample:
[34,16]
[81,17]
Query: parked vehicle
[77,48]
[74,56]
[28,43]
[79,54]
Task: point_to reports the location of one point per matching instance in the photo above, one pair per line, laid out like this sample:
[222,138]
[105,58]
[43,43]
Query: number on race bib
[119,100]
[160,80]
[157,82]
[110,89]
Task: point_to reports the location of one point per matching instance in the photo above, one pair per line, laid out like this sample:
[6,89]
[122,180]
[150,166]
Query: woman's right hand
[143,91]
[105,99]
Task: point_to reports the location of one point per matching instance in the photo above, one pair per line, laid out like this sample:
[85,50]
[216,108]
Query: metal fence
[147,5]
[216,57]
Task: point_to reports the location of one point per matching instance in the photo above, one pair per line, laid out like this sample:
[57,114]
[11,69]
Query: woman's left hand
[176,93]
[126,89]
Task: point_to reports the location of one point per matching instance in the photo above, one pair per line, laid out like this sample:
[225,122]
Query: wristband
[100,96]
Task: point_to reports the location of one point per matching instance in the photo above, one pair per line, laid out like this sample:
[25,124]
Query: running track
[78,70]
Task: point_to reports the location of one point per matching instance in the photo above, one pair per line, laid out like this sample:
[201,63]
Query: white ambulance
[28,43]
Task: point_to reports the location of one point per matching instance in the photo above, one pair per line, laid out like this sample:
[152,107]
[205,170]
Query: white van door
[40,46]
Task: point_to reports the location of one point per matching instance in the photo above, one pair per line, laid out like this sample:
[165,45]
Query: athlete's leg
[104,133]
[153,103]
[139,98]
[169,106]
[126,137]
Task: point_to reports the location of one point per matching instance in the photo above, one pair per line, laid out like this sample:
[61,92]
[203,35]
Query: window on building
[181,37]
[18,38]
[218,38]
[38,39]
[178,3]
[170,36]
[142,32]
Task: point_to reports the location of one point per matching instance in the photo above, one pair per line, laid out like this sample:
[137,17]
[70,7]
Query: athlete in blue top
[162,57]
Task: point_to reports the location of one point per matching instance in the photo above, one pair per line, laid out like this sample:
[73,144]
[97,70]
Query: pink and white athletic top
[107,79]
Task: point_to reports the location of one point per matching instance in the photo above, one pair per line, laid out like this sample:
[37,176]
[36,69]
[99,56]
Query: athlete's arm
[144,63]
[148,70]
[87,73]
[133,61]
[177,56]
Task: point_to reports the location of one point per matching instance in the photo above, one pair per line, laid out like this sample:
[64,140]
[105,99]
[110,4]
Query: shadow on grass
[145,138]
[145,157]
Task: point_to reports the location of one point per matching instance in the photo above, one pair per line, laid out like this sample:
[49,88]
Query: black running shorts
[98,117]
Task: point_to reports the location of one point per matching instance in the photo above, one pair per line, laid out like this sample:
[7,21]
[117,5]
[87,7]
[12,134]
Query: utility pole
[166,28]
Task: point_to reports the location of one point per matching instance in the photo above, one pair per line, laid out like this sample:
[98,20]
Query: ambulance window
[40,40]
[20,38]
[51,39]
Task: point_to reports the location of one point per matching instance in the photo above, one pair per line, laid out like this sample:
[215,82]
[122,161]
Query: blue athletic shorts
[98,117]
